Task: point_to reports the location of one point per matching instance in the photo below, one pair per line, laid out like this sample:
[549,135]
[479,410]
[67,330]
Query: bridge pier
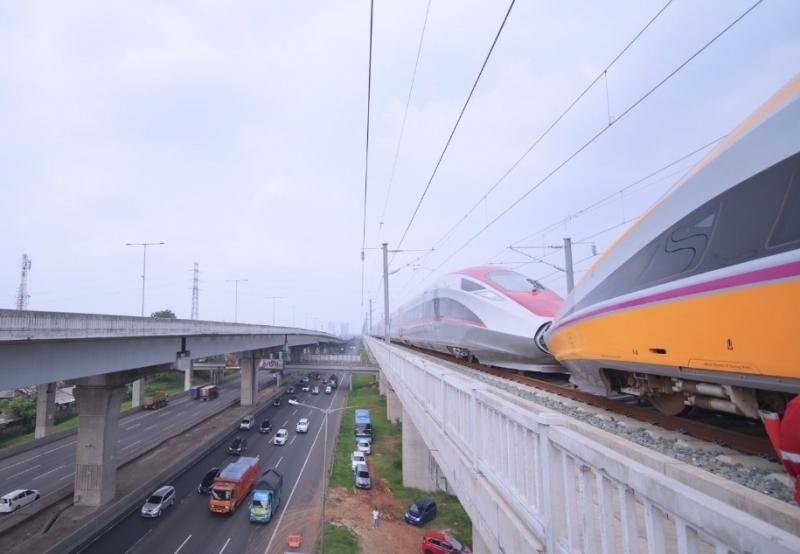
[137,393]
[247,367]
[99,400]
[185,365]
[479,543]
[394,409]
[45,408]
[382,383]
[418,464]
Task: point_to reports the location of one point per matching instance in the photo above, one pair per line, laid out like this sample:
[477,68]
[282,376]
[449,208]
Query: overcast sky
[234,132]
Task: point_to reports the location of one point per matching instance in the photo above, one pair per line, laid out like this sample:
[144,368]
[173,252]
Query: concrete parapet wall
[534,480]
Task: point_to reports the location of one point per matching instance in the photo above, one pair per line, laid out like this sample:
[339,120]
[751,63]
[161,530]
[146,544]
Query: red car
[435,542]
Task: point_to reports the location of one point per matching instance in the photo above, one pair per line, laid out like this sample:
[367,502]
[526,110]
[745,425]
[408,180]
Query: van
[15,500]
[247,422]
[363,480]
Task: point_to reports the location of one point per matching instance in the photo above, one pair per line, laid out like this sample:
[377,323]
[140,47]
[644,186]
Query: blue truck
[363,425]
[266,497]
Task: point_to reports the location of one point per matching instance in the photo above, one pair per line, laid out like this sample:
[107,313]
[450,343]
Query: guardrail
[576,488]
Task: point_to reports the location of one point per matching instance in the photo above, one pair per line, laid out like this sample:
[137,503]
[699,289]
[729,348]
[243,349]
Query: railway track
[757,446]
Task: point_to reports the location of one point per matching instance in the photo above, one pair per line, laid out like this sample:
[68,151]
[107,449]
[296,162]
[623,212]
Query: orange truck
[233,484]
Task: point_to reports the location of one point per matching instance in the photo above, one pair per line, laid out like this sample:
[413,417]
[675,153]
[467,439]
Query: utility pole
[274,298]
[385,247]
[236,297]
[568,263]
[22,291]
[196,292]
[144,246]
[370,315]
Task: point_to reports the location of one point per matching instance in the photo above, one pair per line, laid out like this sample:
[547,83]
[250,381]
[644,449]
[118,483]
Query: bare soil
[393,535]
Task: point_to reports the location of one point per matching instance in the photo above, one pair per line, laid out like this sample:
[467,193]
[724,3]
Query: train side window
[469,286]
[787,225]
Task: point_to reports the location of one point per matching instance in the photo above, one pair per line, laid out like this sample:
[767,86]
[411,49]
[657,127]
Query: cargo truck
[154,401]
[233,484]
[209,392]
[194,392]
[266,497]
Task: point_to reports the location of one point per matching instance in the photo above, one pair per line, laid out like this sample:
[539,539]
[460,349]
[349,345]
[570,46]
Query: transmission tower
[196,292]
[22,292]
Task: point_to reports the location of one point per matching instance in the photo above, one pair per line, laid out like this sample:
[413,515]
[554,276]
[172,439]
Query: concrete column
[382,383]
[394,409]
[418,470]
[45,408]
[137,393]
[185,365]
[249,381]
[479,544]
[96,456]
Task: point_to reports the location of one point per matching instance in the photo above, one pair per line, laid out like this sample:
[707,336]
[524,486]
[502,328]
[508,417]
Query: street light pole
[144,246]
[236,297]
[385,247]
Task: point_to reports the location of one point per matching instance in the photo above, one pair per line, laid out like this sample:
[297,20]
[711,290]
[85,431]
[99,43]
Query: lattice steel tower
[196,292]
[22,292]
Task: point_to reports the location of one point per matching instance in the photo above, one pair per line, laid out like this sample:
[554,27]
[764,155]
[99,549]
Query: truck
[209,392]
[363,425]
[155,401]
[266,497]
[194,392]
[233,484]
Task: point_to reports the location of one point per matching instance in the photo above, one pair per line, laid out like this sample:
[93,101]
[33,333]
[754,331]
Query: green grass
[68,423]
[388,459]
[339,540]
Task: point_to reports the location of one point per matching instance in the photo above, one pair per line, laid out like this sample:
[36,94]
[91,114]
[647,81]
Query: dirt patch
[393,534]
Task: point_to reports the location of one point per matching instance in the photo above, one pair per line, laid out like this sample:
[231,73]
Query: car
[17,499]
[306,379]
[421,512]
[362,478]
[280,437]
[290,390]
[436,542]
[208,480]
[276,402]
[160,500]
[324,380]
[238,446]
[364,446]
[315,390]
[305,388]
[265,426]
[302,425]
[293,401]
[247,422]
[357,458]
[328,389]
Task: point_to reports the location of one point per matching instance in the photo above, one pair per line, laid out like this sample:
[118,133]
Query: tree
[23,407]
[163,314]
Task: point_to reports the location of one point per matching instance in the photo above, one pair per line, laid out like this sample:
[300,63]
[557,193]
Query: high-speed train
[698,304]
[490,314]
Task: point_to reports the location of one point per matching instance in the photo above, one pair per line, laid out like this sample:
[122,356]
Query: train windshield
[514,282]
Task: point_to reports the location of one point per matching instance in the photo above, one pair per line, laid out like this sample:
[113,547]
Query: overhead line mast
[22,291]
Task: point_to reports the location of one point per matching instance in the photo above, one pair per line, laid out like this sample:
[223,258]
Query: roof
[236,470]
[161,491]
[13,493]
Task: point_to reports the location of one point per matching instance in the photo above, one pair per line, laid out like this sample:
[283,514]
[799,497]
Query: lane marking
[49,472]
[291,442]
[295,411]
[134,426]
[294,488]
[170,425]
[183,543]
[225,545]
[131,445]
[285,423]
[24,471]
[57,448]
[137,542]
[279,462]
[68,476]
[20,463]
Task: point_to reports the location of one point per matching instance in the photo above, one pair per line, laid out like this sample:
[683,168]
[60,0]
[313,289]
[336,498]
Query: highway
[190,527]
[51,466]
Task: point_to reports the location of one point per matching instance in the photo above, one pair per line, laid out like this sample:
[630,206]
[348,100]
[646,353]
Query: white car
[280,437]
[305,388]
[328,389]
[357,458]
[293,401]
[15,500]
[315,390]
[302,425]
[247,422]
[364,447]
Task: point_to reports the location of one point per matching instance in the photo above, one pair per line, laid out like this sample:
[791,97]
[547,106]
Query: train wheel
[669,404]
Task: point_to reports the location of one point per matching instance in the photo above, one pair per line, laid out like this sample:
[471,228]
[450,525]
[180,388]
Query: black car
[290,390]
[238,446]
[276,402]
[421,512]
[205,485]
[265,426]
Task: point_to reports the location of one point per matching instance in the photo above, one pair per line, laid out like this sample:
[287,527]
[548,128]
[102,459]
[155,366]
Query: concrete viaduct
[101,354]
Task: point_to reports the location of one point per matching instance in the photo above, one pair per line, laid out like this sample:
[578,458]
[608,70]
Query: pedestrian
[375,517]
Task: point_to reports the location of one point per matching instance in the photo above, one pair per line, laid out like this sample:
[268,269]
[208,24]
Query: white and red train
[490,314]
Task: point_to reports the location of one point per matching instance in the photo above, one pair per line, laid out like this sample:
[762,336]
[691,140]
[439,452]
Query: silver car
[159,501]
[362,477]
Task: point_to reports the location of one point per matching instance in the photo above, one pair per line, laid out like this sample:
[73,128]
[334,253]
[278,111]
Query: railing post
[547,498]
[473,425]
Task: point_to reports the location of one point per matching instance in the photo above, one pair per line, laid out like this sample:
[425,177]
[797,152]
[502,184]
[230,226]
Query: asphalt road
[189,526]
[52,466]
